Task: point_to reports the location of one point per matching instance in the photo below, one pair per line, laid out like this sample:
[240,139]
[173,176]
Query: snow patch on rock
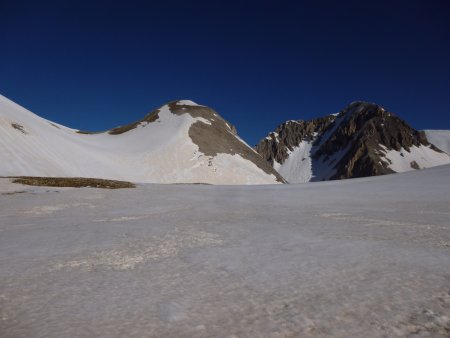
[424,156]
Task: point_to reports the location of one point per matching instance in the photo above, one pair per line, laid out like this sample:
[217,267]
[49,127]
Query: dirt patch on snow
[19,128]
[75,182]
[12,193]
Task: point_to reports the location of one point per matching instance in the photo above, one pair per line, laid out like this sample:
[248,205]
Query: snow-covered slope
[181,142]
[440,138]
[362,140]
[361,258]
[423,156]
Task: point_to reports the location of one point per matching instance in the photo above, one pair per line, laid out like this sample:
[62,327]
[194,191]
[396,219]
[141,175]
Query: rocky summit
[362,140]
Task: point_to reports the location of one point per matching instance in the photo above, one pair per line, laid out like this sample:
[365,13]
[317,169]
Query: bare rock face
[364,128]
[352,143]
[277,145]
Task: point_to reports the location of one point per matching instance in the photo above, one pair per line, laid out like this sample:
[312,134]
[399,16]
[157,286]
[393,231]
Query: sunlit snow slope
[161,148]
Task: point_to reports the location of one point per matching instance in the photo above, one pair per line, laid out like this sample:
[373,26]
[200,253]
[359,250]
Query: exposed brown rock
[85,132]
[19,127]
[149,118]
[414,165]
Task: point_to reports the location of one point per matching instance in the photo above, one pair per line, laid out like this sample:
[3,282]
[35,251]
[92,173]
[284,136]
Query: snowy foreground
[358,258]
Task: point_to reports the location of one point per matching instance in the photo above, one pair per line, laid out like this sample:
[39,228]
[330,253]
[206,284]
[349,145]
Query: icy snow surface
[440,138]
[356,258]
[156,152]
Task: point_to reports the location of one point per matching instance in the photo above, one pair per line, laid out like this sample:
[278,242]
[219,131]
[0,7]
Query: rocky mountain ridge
[184,142]
[364,139]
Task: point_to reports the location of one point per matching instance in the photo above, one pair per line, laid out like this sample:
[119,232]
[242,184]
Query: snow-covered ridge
[160,151]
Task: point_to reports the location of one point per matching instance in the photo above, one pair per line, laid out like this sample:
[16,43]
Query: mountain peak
[180,142]
[363,108]
[363,139]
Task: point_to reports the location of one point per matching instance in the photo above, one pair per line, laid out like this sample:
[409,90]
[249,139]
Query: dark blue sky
[97,64]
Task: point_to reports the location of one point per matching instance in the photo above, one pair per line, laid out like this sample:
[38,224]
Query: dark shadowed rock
[288,135]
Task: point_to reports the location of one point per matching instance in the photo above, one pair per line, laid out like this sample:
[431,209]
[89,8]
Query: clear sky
[97,64]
